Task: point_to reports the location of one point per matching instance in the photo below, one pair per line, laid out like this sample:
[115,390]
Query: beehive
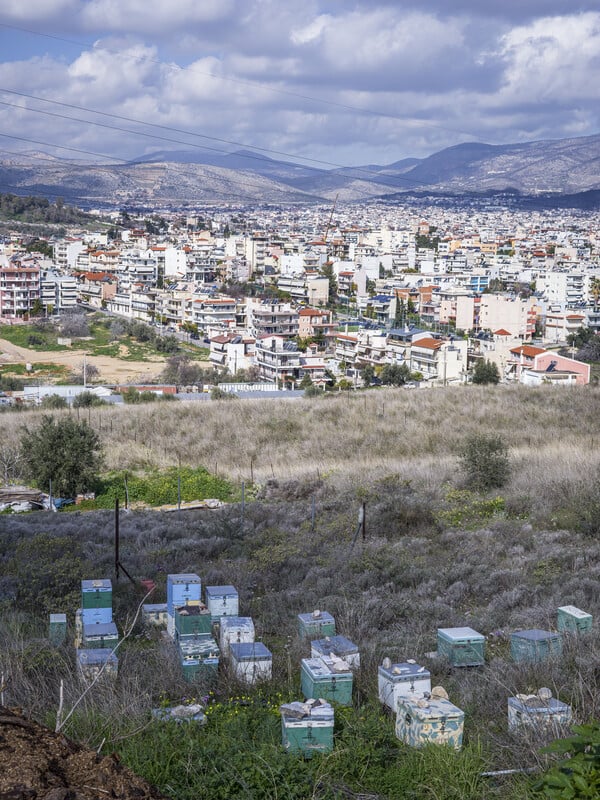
[462,647]
[182,588]
[235,629]
[192,621]
[57,629]
[539,712]
[307,728]
[316,625]
[96,601]
[100,636]
[328,678]
[92,662]
[574,620]
[154,614]
[222,601]
[250,662]
[199,659]
[535,645]
[339,646]
[435,720]
[401,680]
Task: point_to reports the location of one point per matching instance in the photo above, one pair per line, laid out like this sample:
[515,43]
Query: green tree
[485,372]
[64,451]
[485,462]
[367,374]
[395,374]
[86,399]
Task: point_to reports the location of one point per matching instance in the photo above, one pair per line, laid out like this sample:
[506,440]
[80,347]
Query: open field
[112,369]
[435,555]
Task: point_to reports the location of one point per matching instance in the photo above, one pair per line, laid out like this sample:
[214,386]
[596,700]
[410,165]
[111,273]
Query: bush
[486,372]
[65,452]
[86,399]
[485,462]
[578,774]
[54,401]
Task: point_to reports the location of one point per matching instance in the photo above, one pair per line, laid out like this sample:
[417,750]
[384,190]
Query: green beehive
[96,594]
[192,621]
[316,625]
[57,632]
[574,620]
[463,647]
[327,678]
[307,728]
[535,645]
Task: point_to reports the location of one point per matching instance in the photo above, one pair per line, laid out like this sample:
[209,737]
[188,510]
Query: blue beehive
[339,646]
[92,662]
[535,645]
[434,720]
[316,625]
[251,662]
[399,680]
[463,647]
[222,601]
[100,636]
[307,728]
[96,601]
[327,679]
[183,588]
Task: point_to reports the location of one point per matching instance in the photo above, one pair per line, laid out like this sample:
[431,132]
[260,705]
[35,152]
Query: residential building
[19,286]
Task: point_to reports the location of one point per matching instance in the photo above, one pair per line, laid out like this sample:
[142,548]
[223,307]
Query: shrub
[577,775]
[65,452]
[54,401]
[485,462]
[486,372]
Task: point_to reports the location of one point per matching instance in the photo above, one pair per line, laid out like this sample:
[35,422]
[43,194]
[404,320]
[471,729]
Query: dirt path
[112,370]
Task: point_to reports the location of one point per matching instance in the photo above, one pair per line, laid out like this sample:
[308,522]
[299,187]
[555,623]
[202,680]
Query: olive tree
[64,451]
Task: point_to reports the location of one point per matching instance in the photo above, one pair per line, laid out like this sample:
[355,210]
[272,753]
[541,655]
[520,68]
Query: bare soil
[38,764]
[111,370]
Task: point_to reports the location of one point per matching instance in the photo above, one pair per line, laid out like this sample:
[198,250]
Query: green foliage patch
[159,488]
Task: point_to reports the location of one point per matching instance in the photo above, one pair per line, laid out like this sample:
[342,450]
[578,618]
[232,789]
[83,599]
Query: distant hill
[553,168]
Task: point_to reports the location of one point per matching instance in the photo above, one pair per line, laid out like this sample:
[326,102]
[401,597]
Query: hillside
[435,555]
[180,178]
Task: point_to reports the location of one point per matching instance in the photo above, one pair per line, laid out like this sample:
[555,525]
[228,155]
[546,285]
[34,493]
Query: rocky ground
[37,764]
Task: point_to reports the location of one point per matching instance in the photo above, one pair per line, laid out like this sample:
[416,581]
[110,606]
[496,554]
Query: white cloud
[153,16]
[311,32]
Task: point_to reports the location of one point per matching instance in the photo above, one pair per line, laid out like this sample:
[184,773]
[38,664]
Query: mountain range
[546,169]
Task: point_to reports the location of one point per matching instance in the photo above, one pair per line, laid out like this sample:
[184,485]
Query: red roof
[502,332]
[428,343]
[527,350]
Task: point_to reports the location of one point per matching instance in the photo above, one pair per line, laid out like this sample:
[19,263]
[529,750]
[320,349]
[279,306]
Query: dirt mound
[37,764]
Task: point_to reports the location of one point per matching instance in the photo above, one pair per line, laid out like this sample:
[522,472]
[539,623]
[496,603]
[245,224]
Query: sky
[324,82]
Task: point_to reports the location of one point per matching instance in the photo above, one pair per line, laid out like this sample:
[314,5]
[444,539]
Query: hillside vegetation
[436,554]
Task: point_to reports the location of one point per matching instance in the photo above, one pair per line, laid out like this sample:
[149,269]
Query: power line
[370,174]
[242,82]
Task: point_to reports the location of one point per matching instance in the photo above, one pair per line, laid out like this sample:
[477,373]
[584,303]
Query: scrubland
[436,554]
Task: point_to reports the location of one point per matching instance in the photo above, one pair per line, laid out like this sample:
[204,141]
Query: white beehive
[401,680]
[222,601]
[252,662]
[235,629]
[538,712]
[339,646]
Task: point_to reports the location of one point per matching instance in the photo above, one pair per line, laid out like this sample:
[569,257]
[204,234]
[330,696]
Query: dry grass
[552,435]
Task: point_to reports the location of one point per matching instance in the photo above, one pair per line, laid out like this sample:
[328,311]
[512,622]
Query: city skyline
[318,81]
